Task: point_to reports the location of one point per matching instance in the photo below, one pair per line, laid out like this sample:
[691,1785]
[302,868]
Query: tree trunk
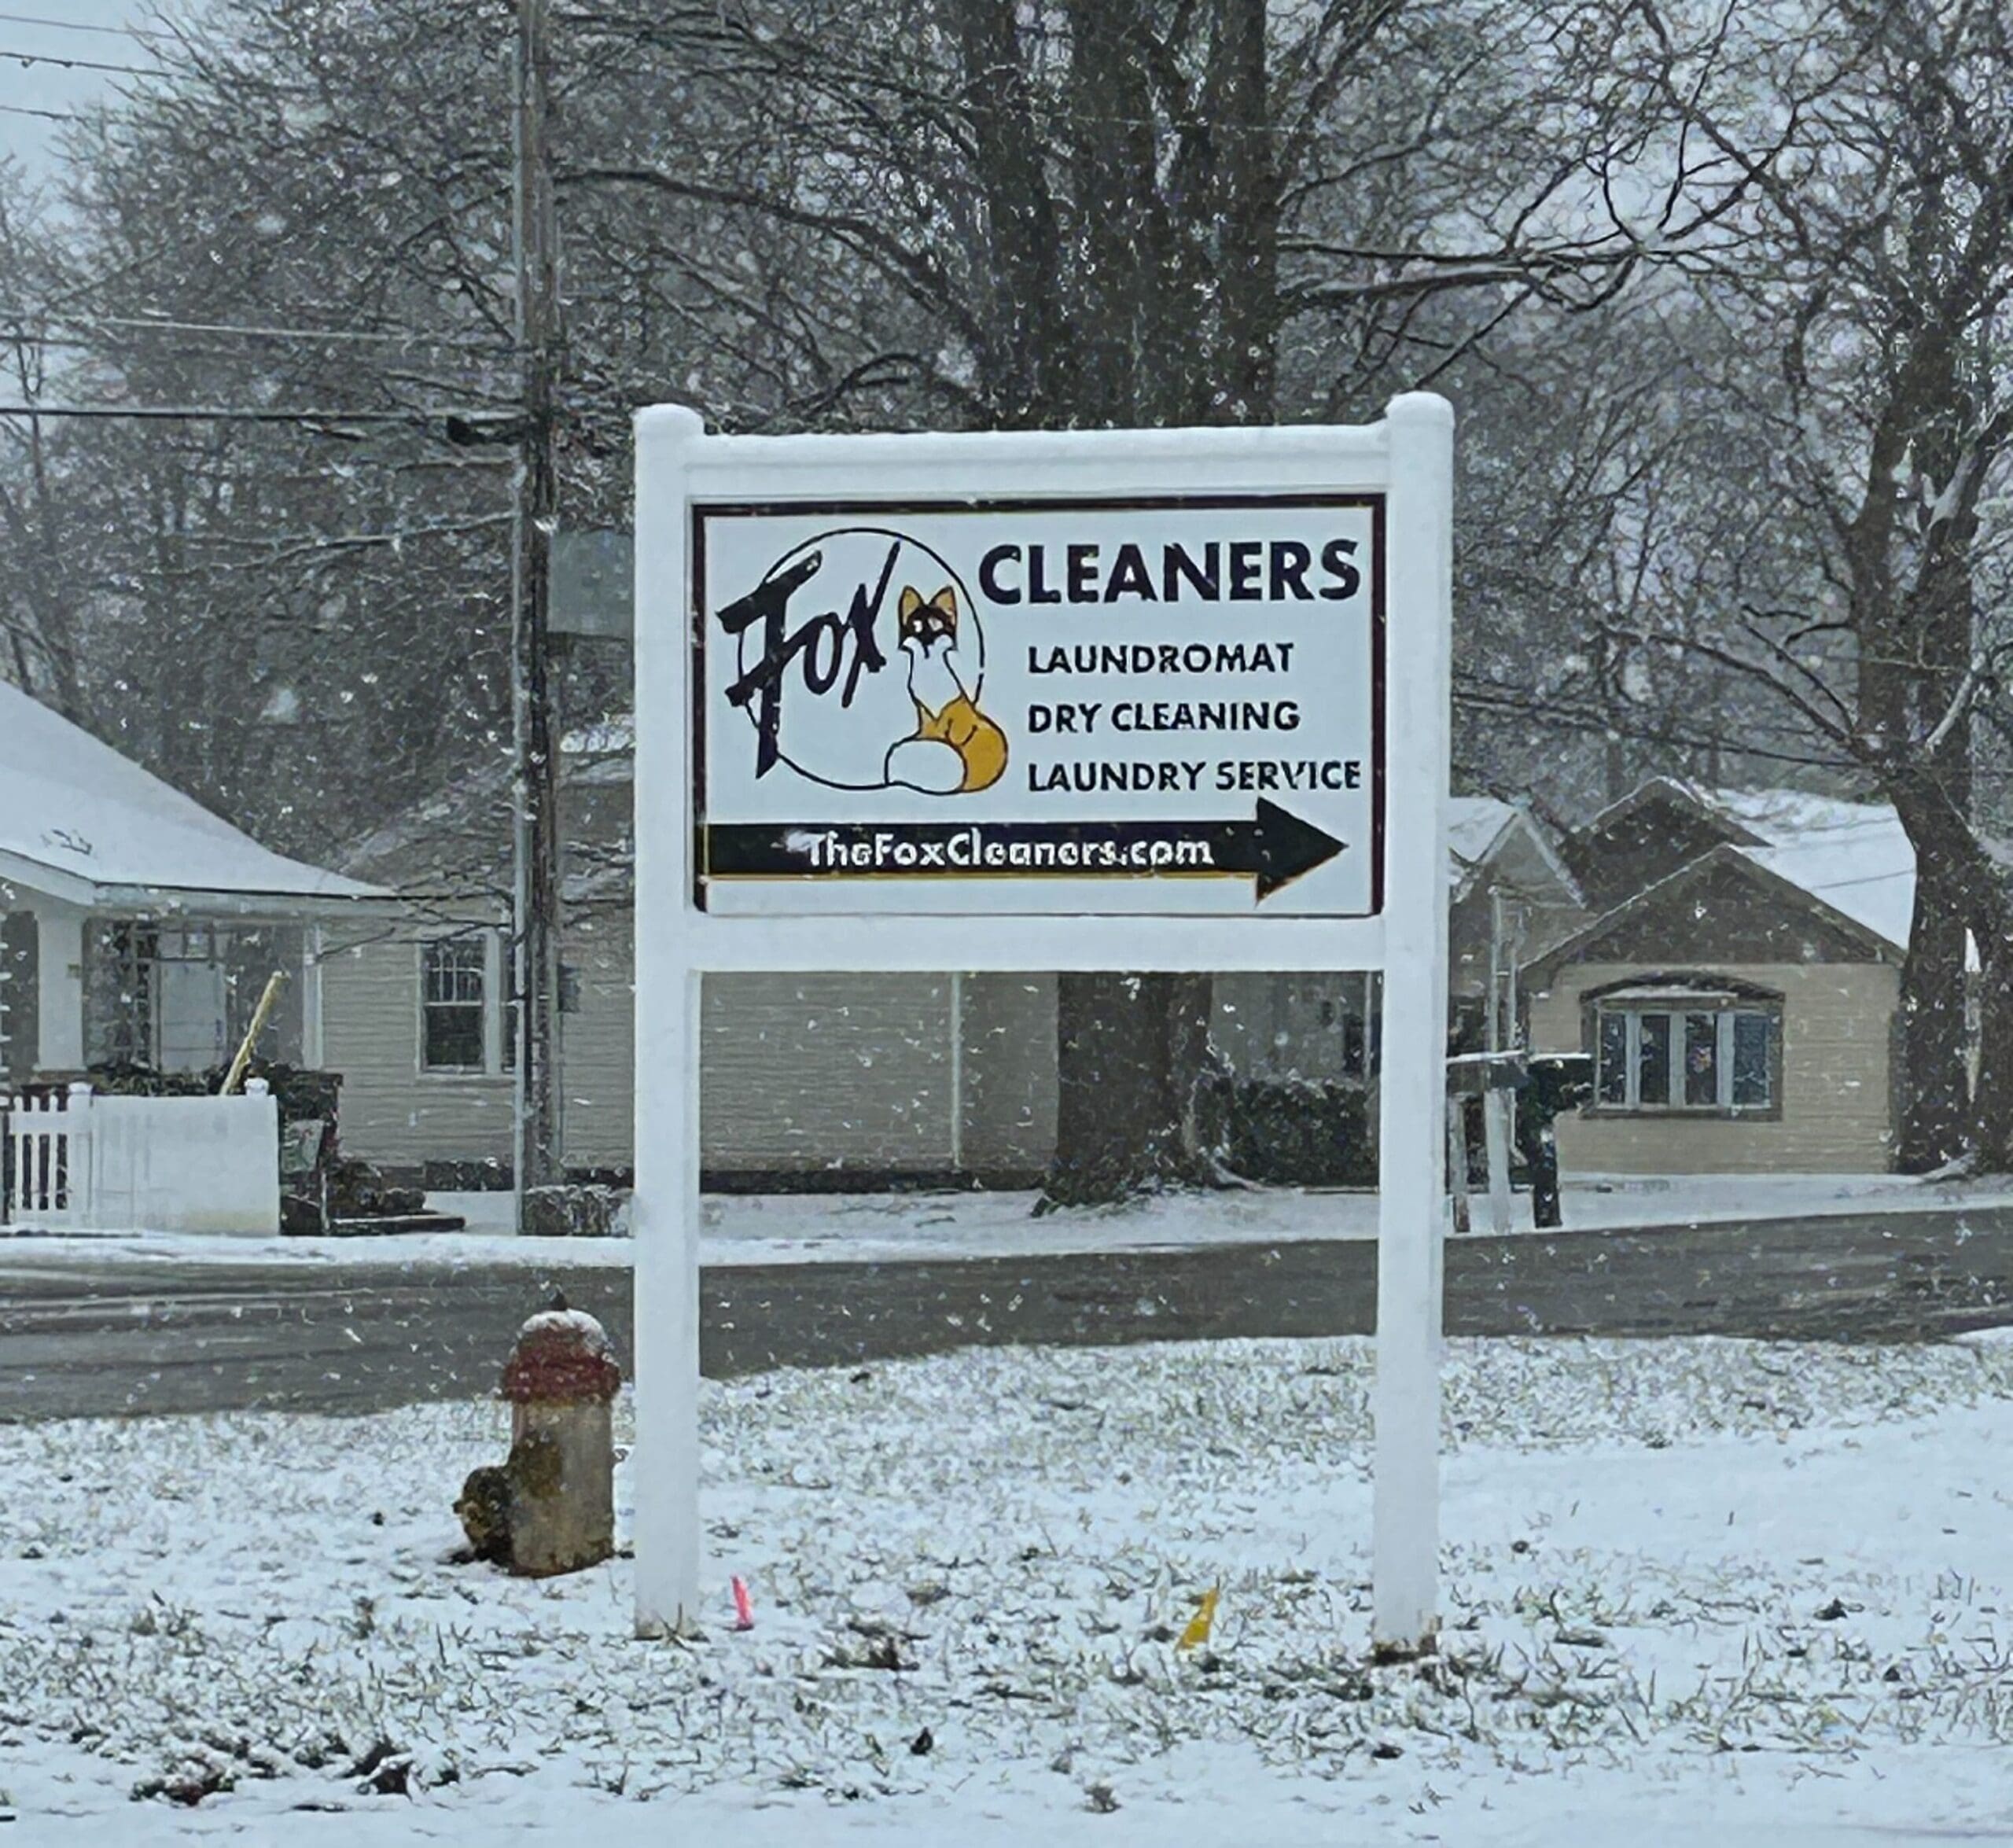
[1177,326]
[1993,1094]
[1935,1102]
[1027,360]
[1247,218]
[1136,1107]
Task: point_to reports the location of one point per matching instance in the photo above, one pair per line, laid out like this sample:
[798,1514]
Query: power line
[71,25]
[234,414]
[20,319]
[79,64]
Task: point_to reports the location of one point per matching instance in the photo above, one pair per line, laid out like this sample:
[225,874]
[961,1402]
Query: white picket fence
[76,1161]
[48,1166]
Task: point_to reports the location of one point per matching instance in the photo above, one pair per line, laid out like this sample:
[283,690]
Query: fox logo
[851,676]
[955,749]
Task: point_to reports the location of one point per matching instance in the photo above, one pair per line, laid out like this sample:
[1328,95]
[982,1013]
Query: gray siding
[598,1044]
[814,1071]
[1009,1071]
[391,1112]
[799,1072]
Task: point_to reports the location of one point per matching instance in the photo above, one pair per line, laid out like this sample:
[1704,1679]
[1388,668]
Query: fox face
[923,628]
[956,747]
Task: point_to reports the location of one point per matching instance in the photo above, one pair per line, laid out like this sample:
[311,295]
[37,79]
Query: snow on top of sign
[74,805]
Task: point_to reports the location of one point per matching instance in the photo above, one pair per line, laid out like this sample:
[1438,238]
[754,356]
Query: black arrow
[1273,847]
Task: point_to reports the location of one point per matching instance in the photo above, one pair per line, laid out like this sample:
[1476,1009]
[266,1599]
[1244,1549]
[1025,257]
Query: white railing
[80,1162]
[48,1177]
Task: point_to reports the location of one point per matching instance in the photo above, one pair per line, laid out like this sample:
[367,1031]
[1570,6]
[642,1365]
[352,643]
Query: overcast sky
[51,86]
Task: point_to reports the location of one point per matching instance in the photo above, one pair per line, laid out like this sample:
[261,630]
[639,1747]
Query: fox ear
[946,600]
[910,604]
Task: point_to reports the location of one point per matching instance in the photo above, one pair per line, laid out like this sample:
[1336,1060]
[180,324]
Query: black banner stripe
[1273,847]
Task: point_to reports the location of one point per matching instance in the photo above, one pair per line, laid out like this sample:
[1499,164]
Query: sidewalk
[786,1229]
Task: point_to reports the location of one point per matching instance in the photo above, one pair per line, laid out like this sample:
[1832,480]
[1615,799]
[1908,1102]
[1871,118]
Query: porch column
[312,939]
[59,951]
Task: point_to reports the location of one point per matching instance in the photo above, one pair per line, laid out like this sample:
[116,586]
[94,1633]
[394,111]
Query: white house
[135,926]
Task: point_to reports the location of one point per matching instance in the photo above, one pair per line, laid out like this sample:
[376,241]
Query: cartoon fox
[955,748]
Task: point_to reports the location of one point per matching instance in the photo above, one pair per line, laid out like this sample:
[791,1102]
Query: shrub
[1301,1133]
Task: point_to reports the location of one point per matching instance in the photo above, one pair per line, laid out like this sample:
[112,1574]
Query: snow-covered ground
[813,1228]
[1698,1592]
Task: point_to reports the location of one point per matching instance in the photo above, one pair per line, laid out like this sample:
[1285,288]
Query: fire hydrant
[551,1507]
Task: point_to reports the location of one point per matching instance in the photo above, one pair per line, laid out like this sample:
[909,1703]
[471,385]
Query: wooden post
[260,1014]
[1496,1136]
[1457,1164]
[536,897]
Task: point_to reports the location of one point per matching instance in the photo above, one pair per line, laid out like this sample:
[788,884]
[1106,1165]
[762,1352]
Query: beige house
[807,1080]
[1736,984]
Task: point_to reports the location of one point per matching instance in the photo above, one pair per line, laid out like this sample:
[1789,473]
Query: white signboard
[1124,700]
[1165,704]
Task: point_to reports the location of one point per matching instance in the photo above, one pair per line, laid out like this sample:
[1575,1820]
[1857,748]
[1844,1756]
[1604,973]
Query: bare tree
[1159,212]
[1874,275]
[829,214]
[37,617]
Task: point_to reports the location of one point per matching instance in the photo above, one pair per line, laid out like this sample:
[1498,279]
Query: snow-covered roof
[82,822]
[453,848]
[1479,828]
[1856,856]
[1474,824]
[1853,858]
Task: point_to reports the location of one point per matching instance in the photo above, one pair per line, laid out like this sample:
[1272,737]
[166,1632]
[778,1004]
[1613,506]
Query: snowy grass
[1690,1567]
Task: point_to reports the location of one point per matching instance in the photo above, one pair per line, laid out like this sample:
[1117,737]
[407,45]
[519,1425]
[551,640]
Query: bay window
[1686,1048]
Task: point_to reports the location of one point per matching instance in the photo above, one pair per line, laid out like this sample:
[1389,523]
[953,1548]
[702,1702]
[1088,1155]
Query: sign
[1159,704]
[594,575]
[1169,700]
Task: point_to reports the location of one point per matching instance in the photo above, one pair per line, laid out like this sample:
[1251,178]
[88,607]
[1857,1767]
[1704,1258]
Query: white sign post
[1116,700]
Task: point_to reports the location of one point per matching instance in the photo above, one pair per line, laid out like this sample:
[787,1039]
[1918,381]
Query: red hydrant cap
[561,1355]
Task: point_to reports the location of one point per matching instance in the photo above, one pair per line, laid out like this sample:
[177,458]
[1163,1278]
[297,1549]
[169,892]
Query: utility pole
[535,908]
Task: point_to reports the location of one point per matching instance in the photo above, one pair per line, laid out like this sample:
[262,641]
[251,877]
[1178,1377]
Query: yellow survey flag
[1198,1632]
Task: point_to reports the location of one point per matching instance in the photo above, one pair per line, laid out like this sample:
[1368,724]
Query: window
[1684,1050]
[454,997]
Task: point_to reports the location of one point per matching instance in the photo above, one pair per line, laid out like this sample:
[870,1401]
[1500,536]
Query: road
[81,1339]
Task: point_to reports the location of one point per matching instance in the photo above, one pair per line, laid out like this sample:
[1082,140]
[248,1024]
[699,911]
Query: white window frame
[1676,1006]
[493,1004]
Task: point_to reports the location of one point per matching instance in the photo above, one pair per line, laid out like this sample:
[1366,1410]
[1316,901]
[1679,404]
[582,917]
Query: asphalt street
[86,1338]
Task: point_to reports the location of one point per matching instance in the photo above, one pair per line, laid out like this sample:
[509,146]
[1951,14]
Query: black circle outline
[964,591]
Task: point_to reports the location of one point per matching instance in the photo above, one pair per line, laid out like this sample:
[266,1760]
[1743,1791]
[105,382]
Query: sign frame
[1407,459]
